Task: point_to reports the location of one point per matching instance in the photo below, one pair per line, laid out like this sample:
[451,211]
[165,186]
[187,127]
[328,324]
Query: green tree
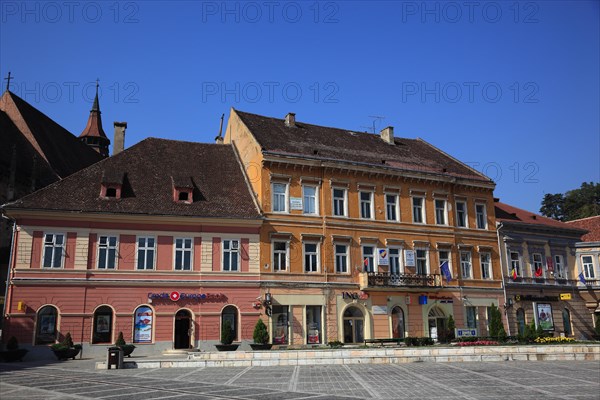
[496,326]
[553,206]
[574,204]
[261,333]
[226,333]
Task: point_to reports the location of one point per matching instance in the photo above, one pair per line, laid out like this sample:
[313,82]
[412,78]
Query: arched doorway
[521,321]
[230,314]
[46,325]
[103,321]
[437,322]
[566,314]
[354,325]
[398,323]
[183,330]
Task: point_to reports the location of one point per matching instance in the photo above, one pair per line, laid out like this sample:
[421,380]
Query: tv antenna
[376,120]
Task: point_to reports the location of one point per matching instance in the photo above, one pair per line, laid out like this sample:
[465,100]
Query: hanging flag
[513,274]
[539,272]
[582,278]
[445,268]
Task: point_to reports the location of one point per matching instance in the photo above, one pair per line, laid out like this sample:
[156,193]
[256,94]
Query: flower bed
[553,340]
[478,343]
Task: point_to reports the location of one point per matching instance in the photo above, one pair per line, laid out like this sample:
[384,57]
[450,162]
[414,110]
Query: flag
[539,272]
[445,268]
[513,274]
[366,262]
[582,278]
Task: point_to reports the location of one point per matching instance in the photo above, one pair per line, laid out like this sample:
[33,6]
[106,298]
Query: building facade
[539,265]
[159,242]
[358,229]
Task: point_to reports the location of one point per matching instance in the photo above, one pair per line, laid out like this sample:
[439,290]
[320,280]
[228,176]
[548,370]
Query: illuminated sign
[176,296]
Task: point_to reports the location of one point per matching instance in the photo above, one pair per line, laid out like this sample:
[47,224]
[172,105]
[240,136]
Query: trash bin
[115,357]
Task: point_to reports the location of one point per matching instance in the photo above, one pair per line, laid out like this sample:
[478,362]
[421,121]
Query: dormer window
[182,189]
[110,191]
[184,196]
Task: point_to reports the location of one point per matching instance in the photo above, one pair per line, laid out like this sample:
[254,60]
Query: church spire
[93,135]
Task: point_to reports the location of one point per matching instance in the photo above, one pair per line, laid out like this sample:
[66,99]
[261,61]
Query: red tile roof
[511,214]
[591,224]
[146,172]
[325,143]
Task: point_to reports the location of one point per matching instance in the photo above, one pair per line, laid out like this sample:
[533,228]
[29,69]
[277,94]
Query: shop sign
[442,299]
[355,296]
[466,332]
[380,310]
[409,258]
[176,296]
[528,297]
[423,299]
[565,296]
[296,203]
[382,257]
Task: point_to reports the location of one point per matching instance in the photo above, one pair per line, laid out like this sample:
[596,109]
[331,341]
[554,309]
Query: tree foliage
[261,333]
[574,204]
[496,326]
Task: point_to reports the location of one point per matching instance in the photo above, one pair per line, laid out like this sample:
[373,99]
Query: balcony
[526,280]
[380,280]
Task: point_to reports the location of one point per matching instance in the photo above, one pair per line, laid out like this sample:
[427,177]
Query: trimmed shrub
[12,344]
[261,333]
[120,340]
[335,344]
[226,333]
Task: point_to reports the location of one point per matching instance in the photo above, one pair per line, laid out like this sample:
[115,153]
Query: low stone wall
[375,356]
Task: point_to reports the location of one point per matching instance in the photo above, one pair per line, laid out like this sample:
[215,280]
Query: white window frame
[465,211]
[316,199]
[367,203]
[442,259]
[346,256]
[107,248]
[482,214]
[276,254]
[560,271]
[588,268]
[183,250]
[316,254]
[396,256]
[535,263]
[395,207]
[426,258]
[371,256]
[444,210]
[486,265]
[422,209]
[466,265]
[145,249]
[515,263]
[227,253]
[54,247]
[286,207]
[345,200]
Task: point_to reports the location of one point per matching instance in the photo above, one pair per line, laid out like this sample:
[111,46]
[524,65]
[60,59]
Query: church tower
[93,135]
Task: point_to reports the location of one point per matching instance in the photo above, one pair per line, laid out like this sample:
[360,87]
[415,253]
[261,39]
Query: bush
[496,326]
[12,344]
[120,340]
[67,343]
[335,344]
[261,333]
[418,341]
[226,333]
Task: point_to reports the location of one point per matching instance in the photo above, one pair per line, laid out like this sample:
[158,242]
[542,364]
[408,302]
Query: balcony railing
[377,279]
[526,280]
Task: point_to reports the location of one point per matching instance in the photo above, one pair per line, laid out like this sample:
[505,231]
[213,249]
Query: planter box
[127,349]
[261,346]
[13,355]
[227,347]
[65,354]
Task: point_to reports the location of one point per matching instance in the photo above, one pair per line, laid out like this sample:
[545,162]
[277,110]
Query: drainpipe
[501,254]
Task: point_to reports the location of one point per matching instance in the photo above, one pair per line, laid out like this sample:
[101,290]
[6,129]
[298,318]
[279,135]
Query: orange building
[358,229]
[159,242]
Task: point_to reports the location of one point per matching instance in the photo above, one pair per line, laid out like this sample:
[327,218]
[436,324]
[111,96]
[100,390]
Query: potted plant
[66,349]
[260,336]
[127,348]
[226,338]
[13,352]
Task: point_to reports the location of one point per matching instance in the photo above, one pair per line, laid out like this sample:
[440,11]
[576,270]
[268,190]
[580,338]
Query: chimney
[219,139]
[387,134]
[290,120]
[119,139]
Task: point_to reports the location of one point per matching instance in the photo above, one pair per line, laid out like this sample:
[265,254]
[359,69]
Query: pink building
[159,242]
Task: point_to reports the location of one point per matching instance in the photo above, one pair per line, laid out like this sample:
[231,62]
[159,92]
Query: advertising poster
[102,323]
[143,325]
[544,316]
[48,323]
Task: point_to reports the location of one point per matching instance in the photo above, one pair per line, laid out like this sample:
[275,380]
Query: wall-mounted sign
[466,332]
[409,258]
[295,203]
[423,299]
[544,316]
[355,296]
[565,296]
[380,310]
[528,297]
[382,257]
[201,297]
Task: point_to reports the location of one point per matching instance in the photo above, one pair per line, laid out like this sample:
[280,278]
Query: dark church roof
[147,172]
[334,144]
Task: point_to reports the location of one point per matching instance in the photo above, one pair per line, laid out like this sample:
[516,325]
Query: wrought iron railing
[411,280]
[526,280]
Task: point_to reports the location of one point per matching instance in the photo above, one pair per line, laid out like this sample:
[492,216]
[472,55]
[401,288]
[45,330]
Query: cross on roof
[8,80]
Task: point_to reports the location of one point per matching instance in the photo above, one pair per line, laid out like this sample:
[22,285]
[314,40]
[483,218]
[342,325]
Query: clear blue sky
[510,87]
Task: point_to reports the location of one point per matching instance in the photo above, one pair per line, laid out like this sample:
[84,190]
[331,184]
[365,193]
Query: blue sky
[511,88]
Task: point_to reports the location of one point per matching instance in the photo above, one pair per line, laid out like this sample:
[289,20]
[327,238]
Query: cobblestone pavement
[472,380]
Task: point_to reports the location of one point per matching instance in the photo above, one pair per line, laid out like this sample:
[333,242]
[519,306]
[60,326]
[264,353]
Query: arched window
[398,323]
[143,322]
[566,314]
[354,324]
[521,321]
[46,325]
[103,321]
[437,323]
[230,314]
